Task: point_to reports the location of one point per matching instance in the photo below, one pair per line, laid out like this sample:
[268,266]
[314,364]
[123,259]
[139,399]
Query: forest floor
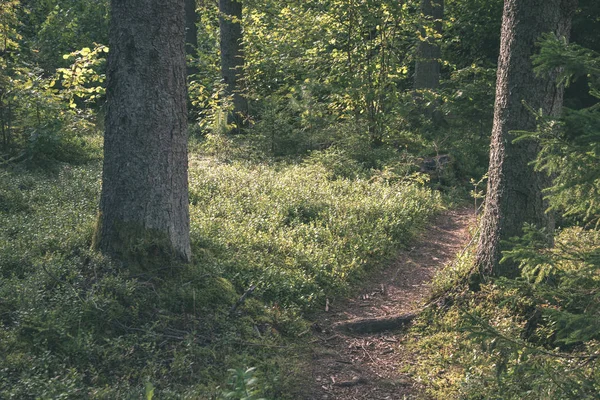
[377,366]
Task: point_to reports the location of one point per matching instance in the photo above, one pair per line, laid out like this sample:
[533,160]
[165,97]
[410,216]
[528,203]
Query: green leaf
[149,390]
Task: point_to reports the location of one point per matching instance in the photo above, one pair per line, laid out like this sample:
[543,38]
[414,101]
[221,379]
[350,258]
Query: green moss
[216,291]
[138,247]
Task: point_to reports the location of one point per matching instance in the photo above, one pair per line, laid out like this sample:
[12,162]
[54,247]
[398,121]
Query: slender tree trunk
[9,125]
[144,212]
[191,34]
[3,121]
[427,65]
[514,193]
[232,59]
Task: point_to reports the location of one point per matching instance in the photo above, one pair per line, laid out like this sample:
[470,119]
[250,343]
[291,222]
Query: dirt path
[354,366]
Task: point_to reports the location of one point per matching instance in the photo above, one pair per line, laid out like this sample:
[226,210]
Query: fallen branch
[376,325]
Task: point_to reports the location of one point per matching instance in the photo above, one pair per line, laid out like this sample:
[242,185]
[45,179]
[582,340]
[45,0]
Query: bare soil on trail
[369,366]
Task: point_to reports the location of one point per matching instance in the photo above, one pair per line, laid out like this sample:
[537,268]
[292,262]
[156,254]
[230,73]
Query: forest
[299,199]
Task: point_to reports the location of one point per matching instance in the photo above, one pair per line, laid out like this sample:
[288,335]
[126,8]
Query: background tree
[324,61]
[144,202]
[191,35]
[232,59]
[427,64]
[52,28]
[514,193]
[472,32]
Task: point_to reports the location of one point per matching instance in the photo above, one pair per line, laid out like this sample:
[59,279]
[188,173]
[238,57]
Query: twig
[51,275]
[489,328]
[242,299]
[367,353]
[175,334]
[272,346]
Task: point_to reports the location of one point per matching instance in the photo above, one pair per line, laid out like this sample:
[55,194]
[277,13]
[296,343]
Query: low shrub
[77,325]
[297,232]
[534,337]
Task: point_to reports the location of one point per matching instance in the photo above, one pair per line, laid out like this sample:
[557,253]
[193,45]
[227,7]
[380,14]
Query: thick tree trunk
[427,65]
[232,59]
[514,193]
[144,213]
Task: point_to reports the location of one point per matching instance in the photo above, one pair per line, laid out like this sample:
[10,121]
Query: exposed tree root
[376,325]
[357,380]
[350,347]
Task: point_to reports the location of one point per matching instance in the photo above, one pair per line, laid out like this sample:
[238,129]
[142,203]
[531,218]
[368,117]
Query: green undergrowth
[296,233]
[534,337]
[77,325]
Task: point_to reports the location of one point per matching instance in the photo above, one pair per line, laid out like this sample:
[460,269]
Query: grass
[77,325]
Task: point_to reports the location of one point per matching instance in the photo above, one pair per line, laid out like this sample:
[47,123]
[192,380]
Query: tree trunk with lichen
[514,193]
[232,61]
[144,212]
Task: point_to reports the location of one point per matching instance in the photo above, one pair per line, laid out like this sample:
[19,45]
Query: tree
[191,33]
[52,28]
[232,59]
[144,209]
[472,32]
[514,193]
[427,65]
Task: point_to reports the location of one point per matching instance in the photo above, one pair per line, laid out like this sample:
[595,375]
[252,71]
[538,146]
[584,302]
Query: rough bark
[427,65]
[514,193]
[232,59]
[144,212]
